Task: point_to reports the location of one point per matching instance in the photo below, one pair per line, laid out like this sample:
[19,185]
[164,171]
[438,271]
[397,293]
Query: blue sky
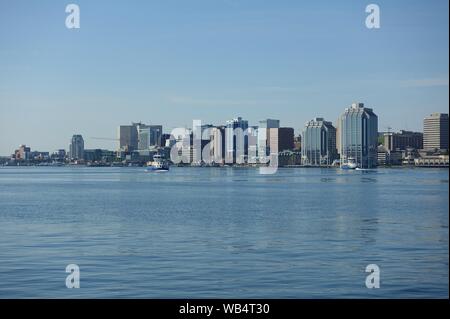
[168,62]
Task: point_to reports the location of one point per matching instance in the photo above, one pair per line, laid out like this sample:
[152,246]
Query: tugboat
[349,164]
[157,165]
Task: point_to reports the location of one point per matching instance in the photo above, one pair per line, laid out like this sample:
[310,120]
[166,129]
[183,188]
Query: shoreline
[220,167]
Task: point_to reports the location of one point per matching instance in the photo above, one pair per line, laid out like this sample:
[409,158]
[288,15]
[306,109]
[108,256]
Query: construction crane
[105,138]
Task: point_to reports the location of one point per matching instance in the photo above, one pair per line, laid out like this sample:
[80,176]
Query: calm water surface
[223,232]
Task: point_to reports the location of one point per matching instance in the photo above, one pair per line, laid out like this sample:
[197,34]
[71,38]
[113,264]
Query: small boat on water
[349,164]
[157,165]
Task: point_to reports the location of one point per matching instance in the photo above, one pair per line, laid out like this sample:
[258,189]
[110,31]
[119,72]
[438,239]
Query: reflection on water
[212,232]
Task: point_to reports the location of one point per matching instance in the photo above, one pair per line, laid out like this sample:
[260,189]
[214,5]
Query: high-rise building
[264,135]
[201,143]
[139,136]
[76,148]
[156,132]
[164,139]
[298,142]
[281,139]
[149,136]
[128,137]
[435,131]
[319,143]
[338,136]
[402,140]
[143,132]
[181,143]
[358,131]
[218,144]
[269,123]
[23,153]
[252,145]
[236,140]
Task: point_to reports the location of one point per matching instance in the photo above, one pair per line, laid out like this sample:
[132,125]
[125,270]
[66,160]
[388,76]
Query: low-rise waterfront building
[289,158]
[409,155]
[432,161]
[386,157]
[402,140]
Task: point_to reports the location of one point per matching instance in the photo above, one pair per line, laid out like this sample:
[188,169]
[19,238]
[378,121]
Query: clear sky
[168,62]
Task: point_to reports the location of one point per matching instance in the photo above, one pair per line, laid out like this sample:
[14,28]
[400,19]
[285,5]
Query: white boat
[157,165]
[349,164]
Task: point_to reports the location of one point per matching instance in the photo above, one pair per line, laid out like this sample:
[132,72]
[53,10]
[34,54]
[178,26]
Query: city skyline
[224,158]
[209,61]
[154,136]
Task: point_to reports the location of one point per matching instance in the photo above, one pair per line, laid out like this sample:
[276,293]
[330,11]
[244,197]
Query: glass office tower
[319,143]
[76,148]
[236,140]
[359,136]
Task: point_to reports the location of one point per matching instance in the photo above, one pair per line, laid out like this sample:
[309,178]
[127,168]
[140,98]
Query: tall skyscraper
[319,143]
[252,145]
[156,132]
[143,132]
[202,143]
[358,131]
[269,123]
[435,131]
[149,135]
[338,136]
[218,144]
[264,135]
[212,144]
[128,137]
[76,148]
[281,139]
[139,136]
[236,140]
